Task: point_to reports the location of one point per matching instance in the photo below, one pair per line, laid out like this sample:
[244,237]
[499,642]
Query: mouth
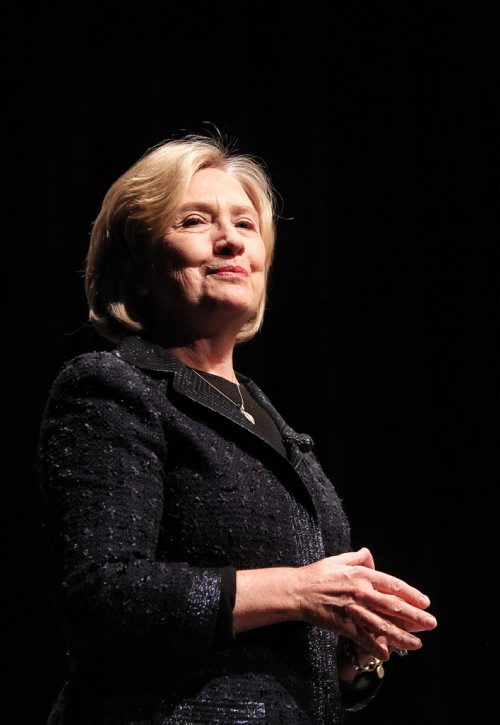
[230,270]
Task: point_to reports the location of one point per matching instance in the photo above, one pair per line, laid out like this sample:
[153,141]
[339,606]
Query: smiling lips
[230,271]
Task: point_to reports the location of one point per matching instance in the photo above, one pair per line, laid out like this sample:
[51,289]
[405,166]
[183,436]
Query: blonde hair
[136,212]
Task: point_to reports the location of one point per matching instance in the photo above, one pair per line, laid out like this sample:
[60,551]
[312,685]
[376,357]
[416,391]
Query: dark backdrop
[378,122]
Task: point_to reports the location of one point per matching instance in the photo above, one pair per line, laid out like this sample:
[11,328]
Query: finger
[362,557]
[388,584]
[368,558]
[409,627]
[367,642]
[404,615]
[364,657]
[378,626]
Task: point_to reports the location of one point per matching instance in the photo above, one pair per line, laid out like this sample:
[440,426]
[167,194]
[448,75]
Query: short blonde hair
[136,212]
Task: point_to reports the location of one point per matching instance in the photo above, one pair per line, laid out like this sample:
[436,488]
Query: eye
[192,221]
[245,224]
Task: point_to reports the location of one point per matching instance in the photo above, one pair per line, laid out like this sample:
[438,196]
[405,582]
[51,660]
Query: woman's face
[210,266]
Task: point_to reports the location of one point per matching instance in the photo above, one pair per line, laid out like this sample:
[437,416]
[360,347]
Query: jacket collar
[147,355]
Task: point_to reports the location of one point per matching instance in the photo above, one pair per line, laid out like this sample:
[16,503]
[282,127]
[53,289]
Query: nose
[228,242]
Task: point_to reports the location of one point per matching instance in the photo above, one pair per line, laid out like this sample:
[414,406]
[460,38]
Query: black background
[379,124]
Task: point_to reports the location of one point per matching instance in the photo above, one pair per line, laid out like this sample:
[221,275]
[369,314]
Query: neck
[210,355]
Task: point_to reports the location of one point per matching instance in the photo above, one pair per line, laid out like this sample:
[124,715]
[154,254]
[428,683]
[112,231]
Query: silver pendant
[248,416]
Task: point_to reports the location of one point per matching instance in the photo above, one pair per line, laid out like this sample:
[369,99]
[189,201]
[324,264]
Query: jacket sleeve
[358,694]
[101,454]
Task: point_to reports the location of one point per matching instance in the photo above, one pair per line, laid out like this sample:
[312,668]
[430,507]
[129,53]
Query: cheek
[173,258]
[259,257]
[173,271]
[181,253]
[258,283]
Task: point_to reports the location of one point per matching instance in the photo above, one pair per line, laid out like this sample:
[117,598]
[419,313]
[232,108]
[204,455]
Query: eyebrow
[205,206]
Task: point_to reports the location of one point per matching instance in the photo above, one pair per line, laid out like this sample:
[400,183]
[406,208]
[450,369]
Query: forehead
[216,185]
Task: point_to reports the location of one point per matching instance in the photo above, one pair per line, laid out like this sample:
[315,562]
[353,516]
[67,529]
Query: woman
[201,557]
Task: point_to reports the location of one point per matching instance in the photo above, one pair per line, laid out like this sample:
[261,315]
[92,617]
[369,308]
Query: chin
[236,302]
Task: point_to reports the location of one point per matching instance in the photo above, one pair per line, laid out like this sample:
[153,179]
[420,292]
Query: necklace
[240,406]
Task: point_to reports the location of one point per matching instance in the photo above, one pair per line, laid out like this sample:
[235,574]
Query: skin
[344,594]
[215,226]
[203,307]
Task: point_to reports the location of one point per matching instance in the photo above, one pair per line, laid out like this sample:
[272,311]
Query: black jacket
[156,489]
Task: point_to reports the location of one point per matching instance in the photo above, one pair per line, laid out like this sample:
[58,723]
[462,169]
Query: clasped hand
[376,611]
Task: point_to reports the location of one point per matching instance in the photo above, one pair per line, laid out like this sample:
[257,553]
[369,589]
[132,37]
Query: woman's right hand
[377,611]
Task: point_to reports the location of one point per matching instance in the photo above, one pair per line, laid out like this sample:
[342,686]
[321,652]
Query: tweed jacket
[154,484]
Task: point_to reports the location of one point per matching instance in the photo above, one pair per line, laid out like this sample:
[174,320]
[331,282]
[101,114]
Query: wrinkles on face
[212,255]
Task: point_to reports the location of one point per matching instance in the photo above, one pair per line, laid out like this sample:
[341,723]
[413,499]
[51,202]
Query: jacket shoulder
[91,363]
[98,371]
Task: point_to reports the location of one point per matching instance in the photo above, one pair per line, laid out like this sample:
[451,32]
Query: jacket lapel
[296,443]
[187,383]
[151,356]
